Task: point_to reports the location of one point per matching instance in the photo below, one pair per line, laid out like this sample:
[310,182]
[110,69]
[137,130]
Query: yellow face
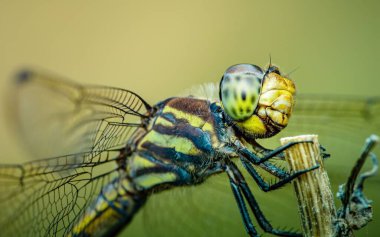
[260,103]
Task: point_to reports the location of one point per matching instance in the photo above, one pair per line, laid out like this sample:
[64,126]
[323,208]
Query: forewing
[46,197]
[55,116]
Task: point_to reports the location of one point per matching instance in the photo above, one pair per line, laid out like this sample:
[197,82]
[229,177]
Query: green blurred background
[159,48]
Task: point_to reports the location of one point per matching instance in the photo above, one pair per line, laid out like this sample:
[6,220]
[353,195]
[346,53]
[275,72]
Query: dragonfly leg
[243,209]
[277,171]
[267,186]
[324,154]
[241,190]
[274,170]
[255,159]
[257,148]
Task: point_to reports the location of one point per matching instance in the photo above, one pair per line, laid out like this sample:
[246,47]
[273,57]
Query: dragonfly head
[259,102]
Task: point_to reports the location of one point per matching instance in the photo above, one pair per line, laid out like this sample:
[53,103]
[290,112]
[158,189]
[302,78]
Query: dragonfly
[111,150]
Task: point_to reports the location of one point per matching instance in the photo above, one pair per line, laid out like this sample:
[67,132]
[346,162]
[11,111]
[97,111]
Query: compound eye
[240,90]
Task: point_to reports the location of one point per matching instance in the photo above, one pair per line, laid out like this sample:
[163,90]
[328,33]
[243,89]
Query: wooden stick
[313,191]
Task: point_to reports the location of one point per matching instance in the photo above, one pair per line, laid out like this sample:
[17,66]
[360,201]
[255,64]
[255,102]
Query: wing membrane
[345,113]
[57,117]
[46,197]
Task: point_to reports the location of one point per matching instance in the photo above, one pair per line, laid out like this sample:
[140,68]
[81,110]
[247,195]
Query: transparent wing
[46,197]
[336,115]
[342,123]
[55,116]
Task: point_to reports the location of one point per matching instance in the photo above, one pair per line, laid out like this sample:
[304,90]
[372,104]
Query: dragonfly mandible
[122,149]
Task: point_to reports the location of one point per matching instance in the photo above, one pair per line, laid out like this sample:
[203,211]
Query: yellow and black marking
[184,140]
[179,141]
[183,135]
[175,151]
[110,212]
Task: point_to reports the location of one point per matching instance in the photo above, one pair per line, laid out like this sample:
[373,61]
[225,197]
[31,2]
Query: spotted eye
[240,89]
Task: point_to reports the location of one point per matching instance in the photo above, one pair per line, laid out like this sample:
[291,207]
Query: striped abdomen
[111,211]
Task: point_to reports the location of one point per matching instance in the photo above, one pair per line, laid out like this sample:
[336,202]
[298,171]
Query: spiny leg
[240,189]
[247,157]
[243,209]
[266,186]
[255,159]
[259,149]
[274,170]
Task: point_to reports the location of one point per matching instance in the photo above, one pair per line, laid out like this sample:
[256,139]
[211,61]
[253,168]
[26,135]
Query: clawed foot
[324,154]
